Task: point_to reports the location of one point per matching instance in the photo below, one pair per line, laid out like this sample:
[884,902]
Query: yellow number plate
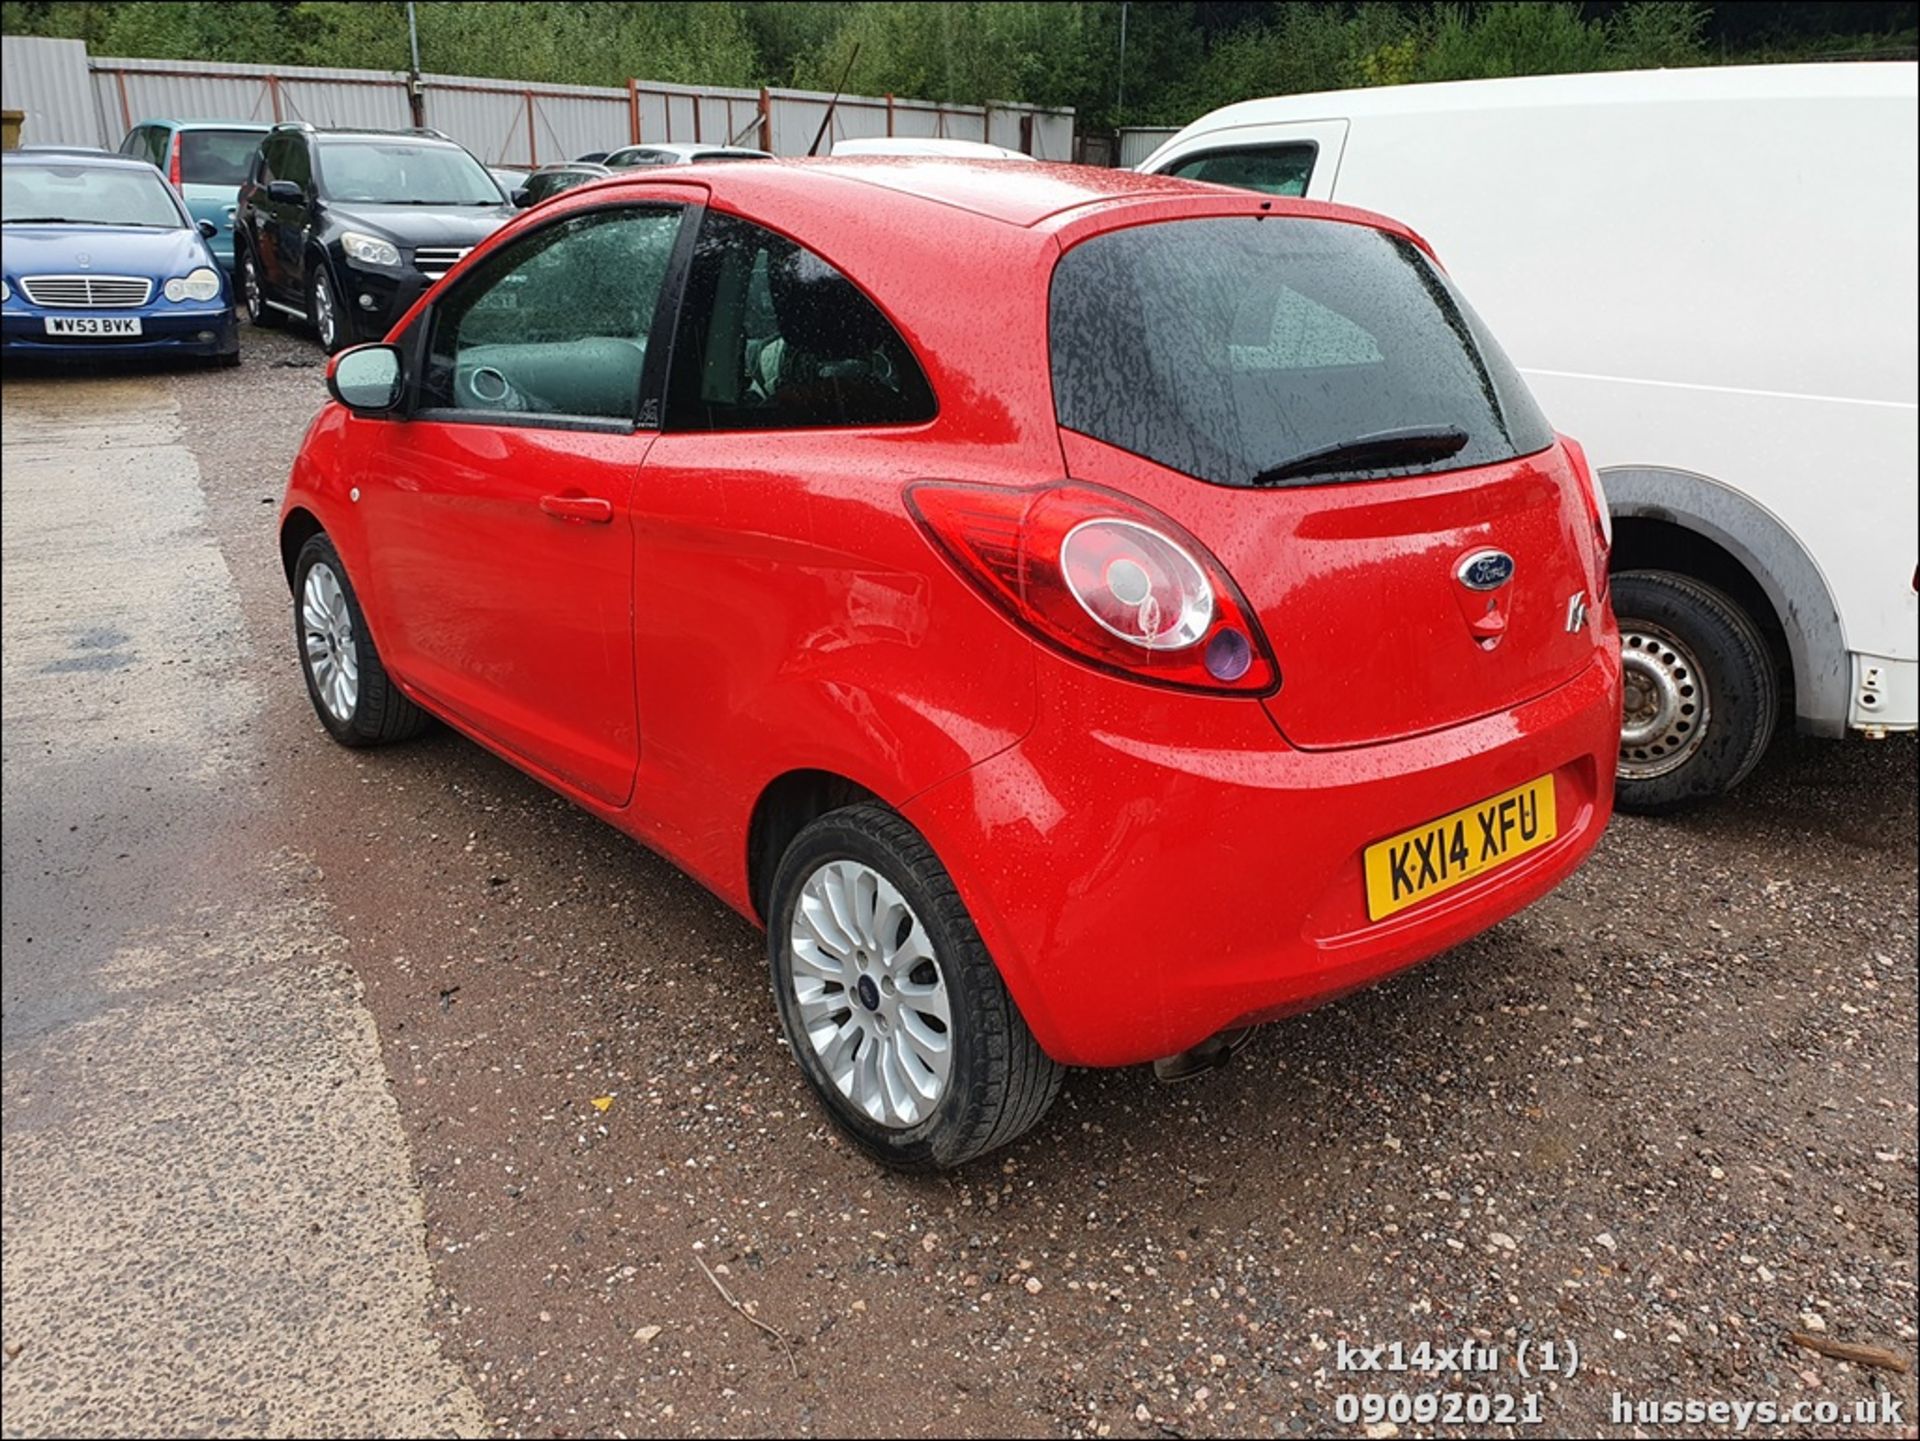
[1408,868]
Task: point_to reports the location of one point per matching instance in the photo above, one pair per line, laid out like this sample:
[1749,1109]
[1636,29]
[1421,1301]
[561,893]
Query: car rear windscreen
[216,157]
[1280,350]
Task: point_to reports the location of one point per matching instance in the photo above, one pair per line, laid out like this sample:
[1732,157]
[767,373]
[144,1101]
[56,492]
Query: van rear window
[1280,351]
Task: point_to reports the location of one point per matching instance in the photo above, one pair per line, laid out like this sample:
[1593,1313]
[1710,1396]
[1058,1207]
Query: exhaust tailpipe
[1210,1055]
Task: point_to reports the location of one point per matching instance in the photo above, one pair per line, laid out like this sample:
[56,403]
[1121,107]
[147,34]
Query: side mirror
[287,192]
[521,199]
[209,229]
[366,378]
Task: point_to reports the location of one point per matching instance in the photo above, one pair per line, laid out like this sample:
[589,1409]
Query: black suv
[347,227]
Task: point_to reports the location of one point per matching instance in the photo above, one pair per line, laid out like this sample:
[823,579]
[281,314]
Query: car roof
[55,155]
[371,132]
[1021,195]
[256,126]
[684,147]
[926,145]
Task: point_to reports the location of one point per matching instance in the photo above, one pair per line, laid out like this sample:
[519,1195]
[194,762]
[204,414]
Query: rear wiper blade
[1408,445]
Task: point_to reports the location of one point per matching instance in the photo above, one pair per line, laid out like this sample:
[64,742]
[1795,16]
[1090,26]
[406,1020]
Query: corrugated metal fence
[504,122]
[47,80]
[1137,142]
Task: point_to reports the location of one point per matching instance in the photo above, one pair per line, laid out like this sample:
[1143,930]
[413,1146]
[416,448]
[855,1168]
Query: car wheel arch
[1695,526]
[785,806]
[299,526]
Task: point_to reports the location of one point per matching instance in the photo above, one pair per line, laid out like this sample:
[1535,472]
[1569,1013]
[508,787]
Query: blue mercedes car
[102,258]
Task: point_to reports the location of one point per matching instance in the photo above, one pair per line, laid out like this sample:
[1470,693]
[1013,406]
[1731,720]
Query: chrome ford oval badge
[1485,570]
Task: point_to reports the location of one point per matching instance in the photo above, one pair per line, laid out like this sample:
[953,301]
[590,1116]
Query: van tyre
[350,689]
[1702,692]
[870,948]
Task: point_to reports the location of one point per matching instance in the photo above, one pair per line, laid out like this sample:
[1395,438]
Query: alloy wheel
[250,282]
[871,994]
[325,320]
[326,628]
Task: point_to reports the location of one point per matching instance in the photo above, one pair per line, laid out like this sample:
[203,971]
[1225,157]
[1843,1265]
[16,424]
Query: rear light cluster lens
[173,160]
[1103,578]
[1596,495]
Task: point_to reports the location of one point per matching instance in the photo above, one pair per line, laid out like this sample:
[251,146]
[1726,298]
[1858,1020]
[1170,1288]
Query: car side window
[266,164]
[135,142]
[1271,169]
[772,337]
[557,323]
[294,164]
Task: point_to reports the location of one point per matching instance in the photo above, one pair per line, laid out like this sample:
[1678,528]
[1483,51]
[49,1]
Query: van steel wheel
[1700,692]
[893,1008]
[351,692]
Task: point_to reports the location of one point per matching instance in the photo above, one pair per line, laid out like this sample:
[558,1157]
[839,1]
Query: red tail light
[1596,507]
[1103,578]
[173,164]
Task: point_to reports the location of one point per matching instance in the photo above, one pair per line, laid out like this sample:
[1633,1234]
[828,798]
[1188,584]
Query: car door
[292,221]
[499,514]
[264,211]
[1292,158]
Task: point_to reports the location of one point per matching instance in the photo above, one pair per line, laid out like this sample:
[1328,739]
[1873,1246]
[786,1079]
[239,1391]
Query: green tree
[242,30]
[1651,34]
[1511,37]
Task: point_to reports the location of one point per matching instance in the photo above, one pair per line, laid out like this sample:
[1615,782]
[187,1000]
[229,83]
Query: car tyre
[253,292]
[1702,692]
[998,1081]
[351,691]
[323,309]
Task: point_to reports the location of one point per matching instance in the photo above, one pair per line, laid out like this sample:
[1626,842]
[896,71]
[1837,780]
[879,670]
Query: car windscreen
[1280,350]
[216,157]
[398,173]
[87,195]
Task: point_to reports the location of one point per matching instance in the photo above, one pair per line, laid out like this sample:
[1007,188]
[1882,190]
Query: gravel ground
[1665,1116]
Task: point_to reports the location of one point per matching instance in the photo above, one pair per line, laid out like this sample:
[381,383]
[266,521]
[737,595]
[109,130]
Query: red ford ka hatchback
[1079,614]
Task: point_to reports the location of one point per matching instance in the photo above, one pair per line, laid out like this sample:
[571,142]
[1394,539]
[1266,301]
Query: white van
[1708,278]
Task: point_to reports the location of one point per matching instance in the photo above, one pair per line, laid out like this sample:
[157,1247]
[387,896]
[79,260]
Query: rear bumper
[206,331]
[1150,869]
